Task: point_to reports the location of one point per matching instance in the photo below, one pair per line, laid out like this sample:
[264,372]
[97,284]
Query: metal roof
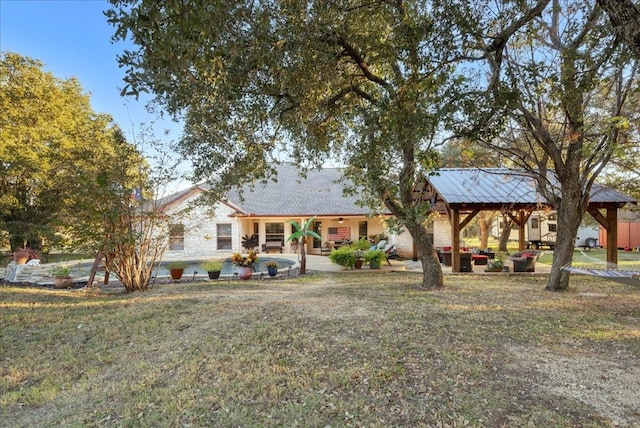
[503,186]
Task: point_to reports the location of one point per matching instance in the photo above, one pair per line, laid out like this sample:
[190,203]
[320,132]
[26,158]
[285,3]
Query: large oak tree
[365,83]
[48,131]
[559,87]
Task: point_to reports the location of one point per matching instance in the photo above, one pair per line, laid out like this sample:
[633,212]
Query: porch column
[612,235]
[455,240]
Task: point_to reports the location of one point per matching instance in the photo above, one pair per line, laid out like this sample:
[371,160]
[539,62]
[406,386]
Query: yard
[323,350]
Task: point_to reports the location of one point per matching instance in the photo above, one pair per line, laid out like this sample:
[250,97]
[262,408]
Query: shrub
[343,256]
[375,255]
[177,264]
[212,265]
[60,271]
[362,244]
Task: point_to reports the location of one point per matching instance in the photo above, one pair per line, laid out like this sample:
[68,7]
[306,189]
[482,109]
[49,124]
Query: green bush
[177,264]
[375,255]
[362,244]
[343,256]
[212,265]
[60,271]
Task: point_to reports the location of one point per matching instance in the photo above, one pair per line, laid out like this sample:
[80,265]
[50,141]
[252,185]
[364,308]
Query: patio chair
[525,261]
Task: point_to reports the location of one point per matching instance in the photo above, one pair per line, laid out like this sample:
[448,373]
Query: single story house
[457,194]
[265,212]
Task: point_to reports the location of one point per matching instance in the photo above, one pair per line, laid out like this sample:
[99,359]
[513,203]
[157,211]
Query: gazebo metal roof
[468,191]
[498,188]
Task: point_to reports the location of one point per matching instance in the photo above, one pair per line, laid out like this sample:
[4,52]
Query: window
[534,223]
[553,227]
[362,230]
[223,234]
[176,237]
[256,232]
[274,232]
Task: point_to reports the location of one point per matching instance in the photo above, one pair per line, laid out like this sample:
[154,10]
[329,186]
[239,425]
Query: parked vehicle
[541,230]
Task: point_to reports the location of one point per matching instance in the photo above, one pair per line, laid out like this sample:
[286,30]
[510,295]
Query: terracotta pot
[245,272]
[358,264]
[62,282]
[21,260]
[176,274]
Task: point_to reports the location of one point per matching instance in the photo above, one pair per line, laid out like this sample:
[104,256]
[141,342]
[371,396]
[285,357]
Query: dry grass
[324,350]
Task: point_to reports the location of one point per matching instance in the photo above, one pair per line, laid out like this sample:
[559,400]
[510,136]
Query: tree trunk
[303,256]
[504,235]
[625,19]
[432,272]
[570,212]
[484,222]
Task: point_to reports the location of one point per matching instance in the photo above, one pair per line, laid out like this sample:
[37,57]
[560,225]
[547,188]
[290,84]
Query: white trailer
[541,230]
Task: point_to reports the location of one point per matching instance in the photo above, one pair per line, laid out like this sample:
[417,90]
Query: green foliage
[494,264]
[271,77]
[343,256]
[301,232]
[272,264]
[375,256]
[49,133]
[212,265]
[177,264]
[249,242]
[363,244]
[60,271]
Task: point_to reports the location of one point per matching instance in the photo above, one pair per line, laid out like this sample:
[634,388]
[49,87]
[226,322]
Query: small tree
[120,213]
[301,233]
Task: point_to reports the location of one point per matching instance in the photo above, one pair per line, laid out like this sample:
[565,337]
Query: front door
[317,228]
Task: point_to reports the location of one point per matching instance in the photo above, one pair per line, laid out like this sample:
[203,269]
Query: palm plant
[301,233]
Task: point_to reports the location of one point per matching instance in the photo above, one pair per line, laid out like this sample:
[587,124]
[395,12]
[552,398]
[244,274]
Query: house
[265,212]
[457,194]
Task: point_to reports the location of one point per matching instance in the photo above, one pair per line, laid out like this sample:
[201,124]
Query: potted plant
[343,256]
[23,255]
[61,276]
[374,258]
[495,265]
[176,269]
[272,267]
[359,255]
[244,263]
[249,242]
[213,268]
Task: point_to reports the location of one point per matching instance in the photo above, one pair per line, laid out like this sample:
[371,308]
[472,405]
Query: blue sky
[73,39]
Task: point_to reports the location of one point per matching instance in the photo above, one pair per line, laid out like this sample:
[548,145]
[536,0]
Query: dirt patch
[610,387]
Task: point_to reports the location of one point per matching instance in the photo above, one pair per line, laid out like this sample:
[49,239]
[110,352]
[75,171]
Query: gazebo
[462,193]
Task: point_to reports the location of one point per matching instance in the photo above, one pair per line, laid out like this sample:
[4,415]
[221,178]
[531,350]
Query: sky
[73,39]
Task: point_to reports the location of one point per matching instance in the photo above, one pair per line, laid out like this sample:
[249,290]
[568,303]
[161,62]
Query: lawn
[329,349]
